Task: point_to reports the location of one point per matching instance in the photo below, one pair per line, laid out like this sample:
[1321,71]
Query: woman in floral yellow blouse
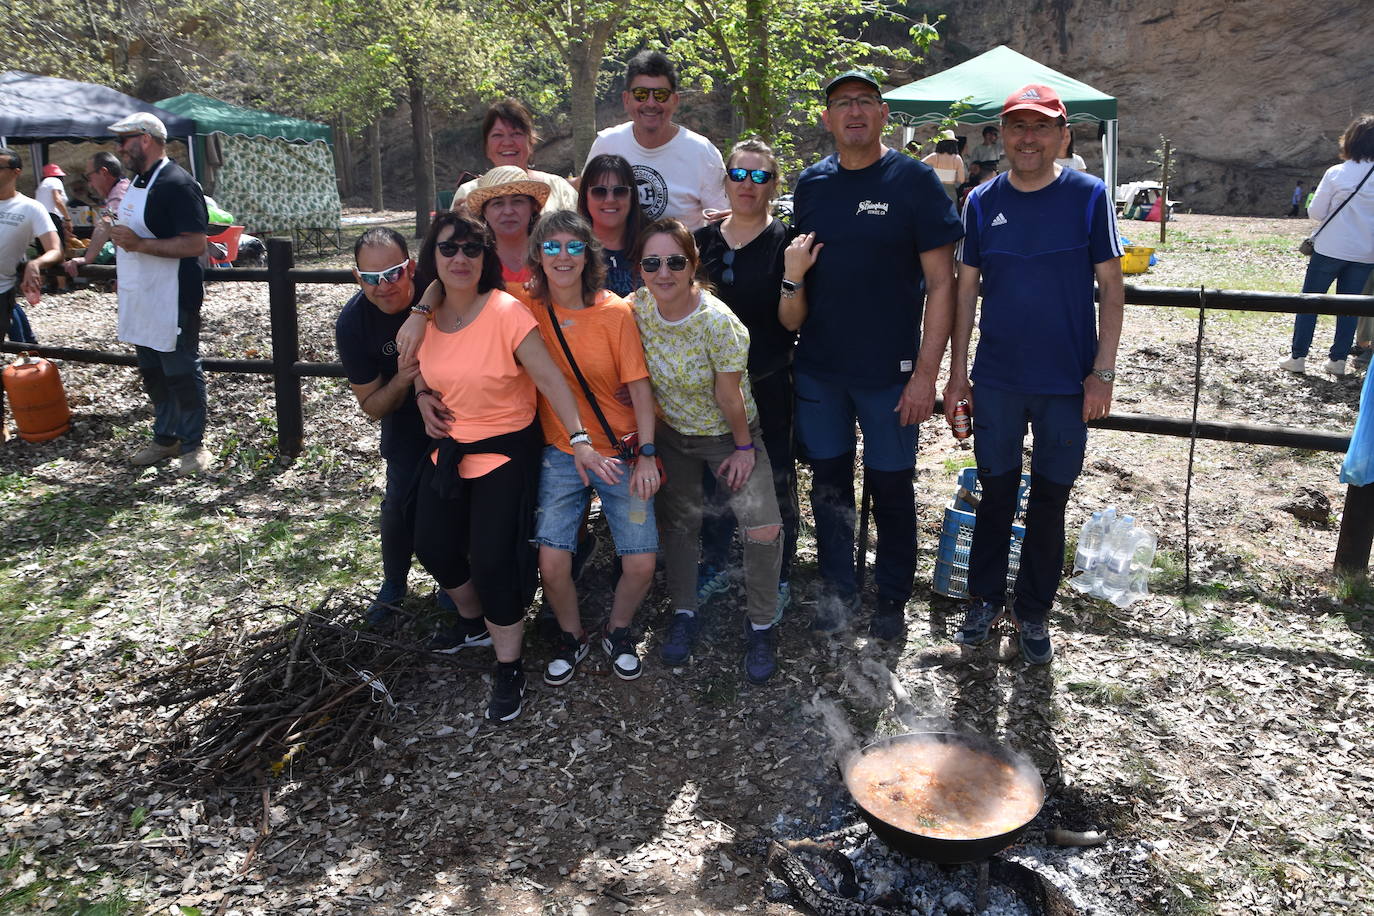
[698,352]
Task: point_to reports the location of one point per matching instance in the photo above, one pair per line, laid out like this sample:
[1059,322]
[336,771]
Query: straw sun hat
[504,180]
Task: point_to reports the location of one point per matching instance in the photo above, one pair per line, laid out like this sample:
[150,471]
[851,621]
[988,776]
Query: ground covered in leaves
[1220,739]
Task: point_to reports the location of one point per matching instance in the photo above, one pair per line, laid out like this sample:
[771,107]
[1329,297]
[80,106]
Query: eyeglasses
[757,176]
[378,277]
[1039,128]
[89,175]
[642,93]
[553,247]
[448,248]
[601,191]
[728,275]
[863,102]
[651,264]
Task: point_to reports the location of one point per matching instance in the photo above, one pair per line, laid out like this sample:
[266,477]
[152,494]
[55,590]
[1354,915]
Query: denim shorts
[563,498]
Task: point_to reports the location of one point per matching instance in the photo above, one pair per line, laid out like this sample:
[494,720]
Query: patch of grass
[1354,589]
[1107,694]
[59,895]
[953,466]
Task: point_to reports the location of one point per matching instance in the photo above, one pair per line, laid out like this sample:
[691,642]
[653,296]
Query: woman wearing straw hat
[947,163]
[509,137]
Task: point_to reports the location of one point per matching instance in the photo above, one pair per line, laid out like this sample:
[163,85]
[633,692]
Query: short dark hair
[380,237]
[619,166]
[107,162]
[14,161]
[650,63]
[514,113]
[1357,143]
[464,227]
[947,147]
[594,267]
[993,128]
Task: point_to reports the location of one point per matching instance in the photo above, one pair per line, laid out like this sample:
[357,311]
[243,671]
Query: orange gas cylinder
[37,398]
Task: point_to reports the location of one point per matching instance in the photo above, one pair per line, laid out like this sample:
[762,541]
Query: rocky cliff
[1253,94]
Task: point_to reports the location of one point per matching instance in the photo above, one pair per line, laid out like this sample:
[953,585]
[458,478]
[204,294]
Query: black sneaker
[760,654]
[889,620]
[566,654]
[457,636]
[679,639]
[585,552]
[383,606]
[979,619]
[507,691]
[619,646]
[1034,638]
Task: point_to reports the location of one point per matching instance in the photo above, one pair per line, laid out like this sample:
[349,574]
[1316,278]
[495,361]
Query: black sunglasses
[601,191]
[728,275]
[757,176]
[448,248]
[642,93]
[651,264]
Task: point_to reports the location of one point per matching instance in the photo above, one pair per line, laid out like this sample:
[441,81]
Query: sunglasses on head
[651,264]
[601,191]
[757,176]
[378,277]
[554,247]
[642,93]
[470,249]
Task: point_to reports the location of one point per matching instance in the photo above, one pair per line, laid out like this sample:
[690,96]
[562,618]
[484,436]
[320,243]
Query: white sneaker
[1336,367]
[1296,364]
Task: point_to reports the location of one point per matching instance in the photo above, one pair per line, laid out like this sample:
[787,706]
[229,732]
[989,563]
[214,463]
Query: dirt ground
[1219,738]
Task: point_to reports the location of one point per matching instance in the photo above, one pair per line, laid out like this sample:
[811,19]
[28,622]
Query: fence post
[1357,531]
[286,346]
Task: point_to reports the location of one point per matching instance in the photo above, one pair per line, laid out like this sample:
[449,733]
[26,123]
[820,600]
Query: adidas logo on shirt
[999,220]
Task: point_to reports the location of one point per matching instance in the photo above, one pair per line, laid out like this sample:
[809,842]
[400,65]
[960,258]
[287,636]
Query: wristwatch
[647,450]
[1106,375]
[789,289]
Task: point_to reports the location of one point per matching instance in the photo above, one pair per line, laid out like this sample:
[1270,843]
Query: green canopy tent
[272,172]
[984,83]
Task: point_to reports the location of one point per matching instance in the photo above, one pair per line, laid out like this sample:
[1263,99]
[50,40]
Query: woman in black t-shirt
[608,198]
[741,256]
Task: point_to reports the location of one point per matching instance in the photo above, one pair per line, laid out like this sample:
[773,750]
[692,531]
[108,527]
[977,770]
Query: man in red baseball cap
[52,194]
[1035,239]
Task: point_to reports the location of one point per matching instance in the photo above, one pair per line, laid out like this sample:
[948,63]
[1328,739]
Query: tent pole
[1110,157]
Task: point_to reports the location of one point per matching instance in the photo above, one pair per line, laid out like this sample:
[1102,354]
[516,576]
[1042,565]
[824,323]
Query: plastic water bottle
[1116,565]
[1142,559]
[1089,543]
[1091,577]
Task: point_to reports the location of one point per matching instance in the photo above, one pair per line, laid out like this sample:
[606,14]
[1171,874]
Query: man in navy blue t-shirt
[875,244]
[365,334]
[1035,238]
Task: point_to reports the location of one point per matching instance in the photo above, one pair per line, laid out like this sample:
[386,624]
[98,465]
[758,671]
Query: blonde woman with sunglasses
[697,352]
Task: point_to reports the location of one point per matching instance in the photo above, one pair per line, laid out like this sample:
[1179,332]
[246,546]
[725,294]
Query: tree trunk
[374,144]
[584,63]
[343,157]
[758,103]
[423,143]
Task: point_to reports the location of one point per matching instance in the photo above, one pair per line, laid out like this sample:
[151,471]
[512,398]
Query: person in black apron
[159,236]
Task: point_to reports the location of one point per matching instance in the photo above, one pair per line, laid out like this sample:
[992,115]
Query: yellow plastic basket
[1137,259]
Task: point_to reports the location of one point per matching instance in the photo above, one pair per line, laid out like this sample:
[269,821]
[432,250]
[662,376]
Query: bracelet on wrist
[425,391]
[745,448]
[579,438]
[420,308]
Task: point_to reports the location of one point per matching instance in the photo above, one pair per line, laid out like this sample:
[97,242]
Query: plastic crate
[956,537]
[1137,259]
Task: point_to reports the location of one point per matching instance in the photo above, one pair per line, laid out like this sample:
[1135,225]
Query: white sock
[685,611]
[759,627]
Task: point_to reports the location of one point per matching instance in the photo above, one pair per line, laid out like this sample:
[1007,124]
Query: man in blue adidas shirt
[875,245]
[1035,238]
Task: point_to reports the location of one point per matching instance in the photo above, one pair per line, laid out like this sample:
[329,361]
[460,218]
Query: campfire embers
[853,873]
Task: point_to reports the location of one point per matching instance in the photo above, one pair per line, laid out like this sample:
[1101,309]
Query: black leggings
[474,536]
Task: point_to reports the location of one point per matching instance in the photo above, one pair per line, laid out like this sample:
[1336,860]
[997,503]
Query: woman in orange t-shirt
[480,365]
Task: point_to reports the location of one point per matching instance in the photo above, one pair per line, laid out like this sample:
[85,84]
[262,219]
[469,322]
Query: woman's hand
[736,468]
[412,332]
[800,255]
[644,482]
[589,460]
[437,417]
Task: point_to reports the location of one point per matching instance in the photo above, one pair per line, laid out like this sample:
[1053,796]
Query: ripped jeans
[678,506]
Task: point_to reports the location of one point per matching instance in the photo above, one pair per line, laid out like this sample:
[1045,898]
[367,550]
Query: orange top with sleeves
[605,342]
[475,372]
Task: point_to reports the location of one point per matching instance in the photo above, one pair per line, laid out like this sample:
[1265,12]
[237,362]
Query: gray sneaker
[1036,647]
[979,618]
[154,452]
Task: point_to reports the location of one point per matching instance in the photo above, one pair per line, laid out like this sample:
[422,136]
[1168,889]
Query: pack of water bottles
[1114,558]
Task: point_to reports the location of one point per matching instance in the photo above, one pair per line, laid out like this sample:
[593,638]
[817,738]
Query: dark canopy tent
[44,109]
[983,85]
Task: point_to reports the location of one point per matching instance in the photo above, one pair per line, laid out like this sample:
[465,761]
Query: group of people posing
[655,337]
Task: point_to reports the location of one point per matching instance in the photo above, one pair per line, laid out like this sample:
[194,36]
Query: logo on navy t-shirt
[389,348]
[653,191]
[999,220]
[876,207]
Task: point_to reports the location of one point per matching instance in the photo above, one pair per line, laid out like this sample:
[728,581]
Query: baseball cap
[53,170]
[855,76]
[1035,97]
[140,122]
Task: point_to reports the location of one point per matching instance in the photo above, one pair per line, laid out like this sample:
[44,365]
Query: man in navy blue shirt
[1035,238]
[876,243]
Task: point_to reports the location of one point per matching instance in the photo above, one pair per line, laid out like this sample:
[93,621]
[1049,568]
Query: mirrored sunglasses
[650,265]
[553,247]
[470,249]
[601,191]
[378,277]
[642,93]
[757,176]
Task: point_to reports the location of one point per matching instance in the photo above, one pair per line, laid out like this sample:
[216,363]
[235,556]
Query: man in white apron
[159,235]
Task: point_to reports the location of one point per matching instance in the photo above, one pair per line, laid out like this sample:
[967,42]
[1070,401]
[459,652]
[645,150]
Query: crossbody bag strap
[582,380]
[1344,202]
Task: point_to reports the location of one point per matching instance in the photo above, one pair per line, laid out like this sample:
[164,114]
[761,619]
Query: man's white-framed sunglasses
[378,277]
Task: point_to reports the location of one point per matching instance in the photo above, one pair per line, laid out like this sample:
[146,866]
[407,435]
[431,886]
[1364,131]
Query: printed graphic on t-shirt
[653,191]
[389,348]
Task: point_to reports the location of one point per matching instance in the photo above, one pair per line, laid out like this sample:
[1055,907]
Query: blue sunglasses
[757,176]
[553,247]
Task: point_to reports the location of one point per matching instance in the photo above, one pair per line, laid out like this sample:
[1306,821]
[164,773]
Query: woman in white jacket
[1344,242]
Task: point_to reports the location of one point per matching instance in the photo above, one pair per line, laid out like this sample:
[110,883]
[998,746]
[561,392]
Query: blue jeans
[176,385]
[1350,278]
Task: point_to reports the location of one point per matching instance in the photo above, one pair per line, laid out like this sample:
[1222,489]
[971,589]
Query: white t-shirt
[1350,234]
[679,179]
[49,191]
[22,219]
[1073,162]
